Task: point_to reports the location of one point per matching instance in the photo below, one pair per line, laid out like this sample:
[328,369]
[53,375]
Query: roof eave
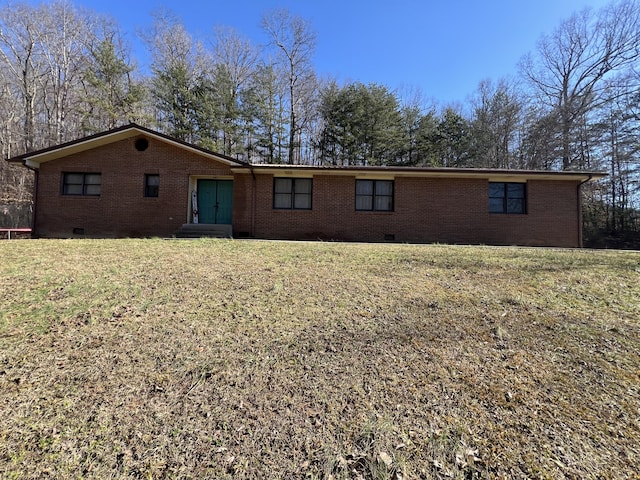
[385,171]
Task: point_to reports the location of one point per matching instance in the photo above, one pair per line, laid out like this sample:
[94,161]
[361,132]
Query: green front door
[215,201]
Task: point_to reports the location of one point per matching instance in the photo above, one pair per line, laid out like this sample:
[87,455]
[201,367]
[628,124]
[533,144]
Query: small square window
[151,185]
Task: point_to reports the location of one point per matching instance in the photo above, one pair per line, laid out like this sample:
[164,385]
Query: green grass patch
[252,359]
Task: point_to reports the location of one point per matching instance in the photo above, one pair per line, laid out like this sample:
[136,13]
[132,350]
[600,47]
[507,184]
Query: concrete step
[197,230]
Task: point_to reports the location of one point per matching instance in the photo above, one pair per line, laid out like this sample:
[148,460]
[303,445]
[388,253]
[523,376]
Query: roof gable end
[34,159]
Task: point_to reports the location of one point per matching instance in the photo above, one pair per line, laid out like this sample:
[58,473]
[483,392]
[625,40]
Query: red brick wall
[121,210]
[242,205]
[425,210]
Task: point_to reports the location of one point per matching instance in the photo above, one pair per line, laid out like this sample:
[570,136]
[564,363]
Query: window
[376,195]
[507,197]
[292,193]
[151,185]
[88,184]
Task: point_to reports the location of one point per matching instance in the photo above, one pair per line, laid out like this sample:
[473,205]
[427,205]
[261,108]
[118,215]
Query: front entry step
[198,230]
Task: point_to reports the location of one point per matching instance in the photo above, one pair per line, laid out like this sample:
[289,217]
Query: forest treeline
[66,72]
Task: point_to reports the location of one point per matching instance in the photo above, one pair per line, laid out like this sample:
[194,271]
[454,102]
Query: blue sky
[444,48]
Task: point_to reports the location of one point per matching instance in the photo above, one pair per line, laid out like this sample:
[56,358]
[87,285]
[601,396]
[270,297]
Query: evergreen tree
[426,140]
[362,125]
[452,140]
[494,126]
[113,97]
[181,83]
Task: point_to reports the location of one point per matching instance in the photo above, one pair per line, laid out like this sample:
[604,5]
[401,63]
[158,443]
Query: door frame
[193,187]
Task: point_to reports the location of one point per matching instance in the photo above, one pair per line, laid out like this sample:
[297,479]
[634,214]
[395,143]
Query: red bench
[9,231]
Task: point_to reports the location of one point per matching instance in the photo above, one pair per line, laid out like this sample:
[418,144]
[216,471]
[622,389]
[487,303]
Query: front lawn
[251,359]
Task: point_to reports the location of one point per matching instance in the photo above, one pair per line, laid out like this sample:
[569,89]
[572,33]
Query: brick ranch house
[135,182]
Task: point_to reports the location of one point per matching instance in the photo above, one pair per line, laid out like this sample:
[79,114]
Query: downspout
[35,202]
[579,209]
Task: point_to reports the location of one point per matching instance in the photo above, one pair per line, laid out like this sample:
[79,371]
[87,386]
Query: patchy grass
[246,359]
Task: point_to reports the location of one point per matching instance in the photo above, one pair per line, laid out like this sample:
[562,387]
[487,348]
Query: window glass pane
[302,185]
[515,205]
[92,178]
[73,178]
[384,187]
[92,189]
[282,200]
[515,190]
[151,187]
[72,190]
[302,201]
[364,187]
[496,205]
[283,185]
[364,202]
[384,203]
[496,190]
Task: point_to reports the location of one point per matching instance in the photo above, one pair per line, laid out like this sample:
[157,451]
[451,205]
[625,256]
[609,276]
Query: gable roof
[34,159]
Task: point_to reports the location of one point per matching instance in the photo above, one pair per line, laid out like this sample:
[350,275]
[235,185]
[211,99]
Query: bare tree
[45,54]
[616,133]
[265,100]
[22,67]
[295,40]
[8,115]
[571,65]
[237,53]
[63,35]
[236,61]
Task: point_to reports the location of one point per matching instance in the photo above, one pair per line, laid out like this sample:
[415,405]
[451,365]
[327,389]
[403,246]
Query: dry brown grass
[228,359]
